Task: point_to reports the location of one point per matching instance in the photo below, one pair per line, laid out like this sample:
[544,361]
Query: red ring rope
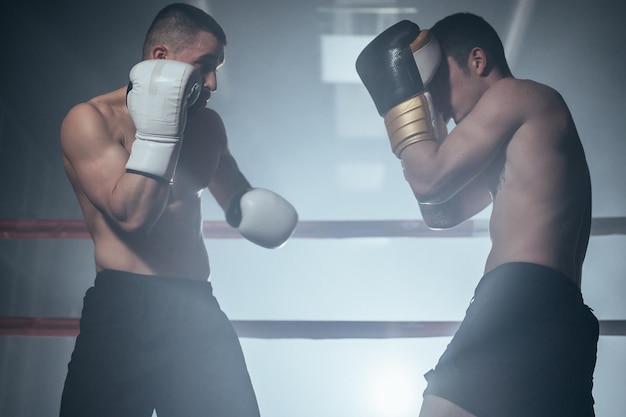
[75,229]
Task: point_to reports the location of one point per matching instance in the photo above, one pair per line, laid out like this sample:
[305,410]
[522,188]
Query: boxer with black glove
[514,147]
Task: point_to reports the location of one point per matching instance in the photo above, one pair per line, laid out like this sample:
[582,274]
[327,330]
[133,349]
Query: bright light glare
[394,391]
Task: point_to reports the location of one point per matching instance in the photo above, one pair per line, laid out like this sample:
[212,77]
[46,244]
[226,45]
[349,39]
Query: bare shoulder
[81,122]
[513,103]
[527,94]
[92,127]
[94,119]
[521,86]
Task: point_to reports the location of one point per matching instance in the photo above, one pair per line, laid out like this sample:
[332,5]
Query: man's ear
[159,52]
[478,61]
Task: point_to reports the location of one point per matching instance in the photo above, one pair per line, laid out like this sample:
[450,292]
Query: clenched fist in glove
[161,90]
[395,68]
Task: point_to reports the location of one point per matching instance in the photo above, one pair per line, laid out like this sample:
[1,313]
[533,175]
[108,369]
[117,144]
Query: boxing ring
[286,329]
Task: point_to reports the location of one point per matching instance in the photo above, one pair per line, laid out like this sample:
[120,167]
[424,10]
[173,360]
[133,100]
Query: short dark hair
[460,32]
[178,22]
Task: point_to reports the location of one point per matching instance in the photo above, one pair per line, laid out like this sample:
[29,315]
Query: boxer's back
[542,195]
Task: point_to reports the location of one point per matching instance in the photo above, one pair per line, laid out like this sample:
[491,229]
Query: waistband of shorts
[113,279]
[528,274]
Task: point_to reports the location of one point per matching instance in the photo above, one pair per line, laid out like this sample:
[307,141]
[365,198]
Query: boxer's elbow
[427,187]
[134,226]
[137,214]
[439,222]
[428,195]
[439,216]
[134,221]
[426,191]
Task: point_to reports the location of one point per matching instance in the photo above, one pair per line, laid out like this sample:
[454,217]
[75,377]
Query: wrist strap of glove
[152,159]
[233,213]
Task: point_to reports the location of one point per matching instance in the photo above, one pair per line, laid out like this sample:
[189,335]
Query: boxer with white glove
[159,94]
[395,68]
[263,217]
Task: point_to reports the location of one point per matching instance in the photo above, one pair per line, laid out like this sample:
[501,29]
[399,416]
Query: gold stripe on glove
[408,123]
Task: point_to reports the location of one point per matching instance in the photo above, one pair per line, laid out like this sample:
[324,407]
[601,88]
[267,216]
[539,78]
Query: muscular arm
[260,215]
[228,180]
[437,171]
[131,202]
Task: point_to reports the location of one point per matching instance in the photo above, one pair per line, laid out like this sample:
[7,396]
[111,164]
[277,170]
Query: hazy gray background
[300,124]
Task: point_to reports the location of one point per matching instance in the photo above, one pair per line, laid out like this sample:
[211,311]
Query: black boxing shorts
[526,347]
[149,342]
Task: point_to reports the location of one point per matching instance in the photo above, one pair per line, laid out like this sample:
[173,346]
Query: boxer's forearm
[137,202]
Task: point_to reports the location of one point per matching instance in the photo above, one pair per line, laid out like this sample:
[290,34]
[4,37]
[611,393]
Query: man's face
[206,53]
[453,90]
[439,88]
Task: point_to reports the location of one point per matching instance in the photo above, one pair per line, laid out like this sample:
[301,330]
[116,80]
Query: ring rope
[279,329]
[76,229]
[283,329]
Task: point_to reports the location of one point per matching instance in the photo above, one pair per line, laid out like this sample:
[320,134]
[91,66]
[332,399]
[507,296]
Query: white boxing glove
[263,217]
[427,54]
[160,92]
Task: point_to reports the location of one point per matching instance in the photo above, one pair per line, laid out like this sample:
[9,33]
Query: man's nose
[210,81]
